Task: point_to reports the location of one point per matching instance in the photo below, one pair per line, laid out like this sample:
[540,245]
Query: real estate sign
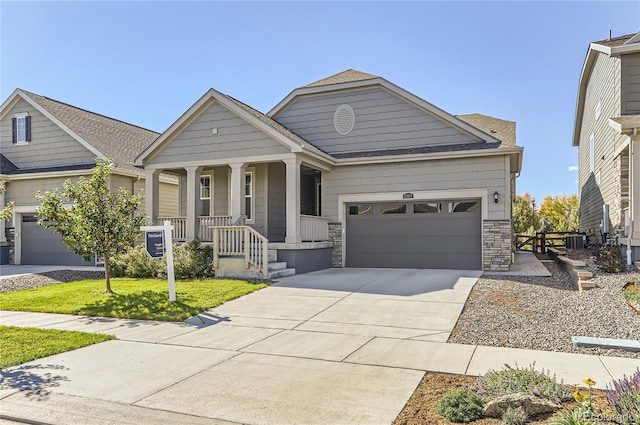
[154,241]
[158,240]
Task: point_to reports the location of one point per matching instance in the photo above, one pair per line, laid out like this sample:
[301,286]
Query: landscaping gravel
[45,279]
[543,313]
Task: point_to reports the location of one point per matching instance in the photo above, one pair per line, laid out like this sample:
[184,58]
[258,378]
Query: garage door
[438,234]
[44,246]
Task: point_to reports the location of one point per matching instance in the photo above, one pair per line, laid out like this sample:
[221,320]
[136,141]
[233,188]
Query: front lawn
[19,345]
[146,299]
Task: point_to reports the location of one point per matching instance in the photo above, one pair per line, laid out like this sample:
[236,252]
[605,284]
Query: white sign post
[158,245]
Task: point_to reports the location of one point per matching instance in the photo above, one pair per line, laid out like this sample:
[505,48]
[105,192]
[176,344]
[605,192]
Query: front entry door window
[206,206]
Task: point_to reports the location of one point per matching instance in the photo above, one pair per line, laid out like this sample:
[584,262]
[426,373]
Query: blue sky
[147,62]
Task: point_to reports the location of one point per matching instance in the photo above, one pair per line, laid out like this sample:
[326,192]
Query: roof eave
[587,66]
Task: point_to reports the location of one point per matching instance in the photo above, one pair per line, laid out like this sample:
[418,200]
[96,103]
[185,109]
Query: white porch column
[293,200]
[2,223]
[151,194]
[238,171]
[193,196]
[634,190]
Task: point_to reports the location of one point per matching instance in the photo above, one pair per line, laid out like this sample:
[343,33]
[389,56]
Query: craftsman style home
[606,133]
[43,142]
[348,171]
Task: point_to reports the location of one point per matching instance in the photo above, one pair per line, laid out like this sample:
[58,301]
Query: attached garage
[417,234]
[40,245]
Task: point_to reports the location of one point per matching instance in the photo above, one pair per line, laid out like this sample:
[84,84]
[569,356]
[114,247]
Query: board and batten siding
[486,173]
[235,138]
[630,82]
[603,87]
[50,146]
[382,121]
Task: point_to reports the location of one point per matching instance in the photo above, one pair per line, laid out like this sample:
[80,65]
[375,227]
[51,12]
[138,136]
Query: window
[362,209]
[21,128]
[469,206]
[206,206]
[248,195]
[428,207]
[393,208]
[592,153]
[598,110]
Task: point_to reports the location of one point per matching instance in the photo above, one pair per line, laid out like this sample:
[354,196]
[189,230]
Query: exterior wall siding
[50,146]
[235,138]
[485,173]
[23,192]
[383,121]
[630,84]
[603,87]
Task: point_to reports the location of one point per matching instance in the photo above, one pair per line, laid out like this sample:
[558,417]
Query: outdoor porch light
[495,196]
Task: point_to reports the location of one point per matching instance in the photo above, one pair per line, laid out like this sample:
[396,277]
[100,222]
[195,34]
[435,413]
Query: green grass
[146,299]
[19,345]
[633,297]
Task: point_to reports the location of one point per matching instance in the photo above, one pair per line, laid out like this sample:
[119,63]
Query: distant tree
[93,220]
[525,219]
[7,210]
[560,212]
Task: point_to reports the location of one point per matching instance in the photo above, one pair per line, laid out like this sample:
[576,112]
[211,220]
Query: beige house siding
[50,146]
[603,88]
[235,138]
[485,173]
[23,192]
[630,83]
[382,121]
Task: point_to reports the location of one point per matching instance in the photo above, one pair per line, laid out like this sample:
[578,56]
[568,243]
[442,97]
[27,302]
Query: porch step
[277,265]
[274,274]
[273,255]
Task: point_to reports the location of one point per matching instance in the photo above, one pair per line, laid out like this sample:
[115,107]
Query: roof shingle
[503,130]
[347,76]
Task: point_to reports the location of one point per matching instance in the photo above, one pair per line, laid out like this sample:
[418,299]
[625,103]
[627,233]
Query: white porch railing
[179,232]
[237,241]
[205,224]
[314,228]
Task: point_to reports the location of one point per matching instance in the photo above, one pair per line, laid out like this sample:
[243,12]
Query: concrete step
[273,255]
[281,273]
[277,265]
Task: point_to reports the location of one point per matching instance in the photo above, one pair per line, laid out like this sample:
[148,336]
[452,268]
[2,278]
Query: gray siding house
[43,142]
[606,134]
[349,171]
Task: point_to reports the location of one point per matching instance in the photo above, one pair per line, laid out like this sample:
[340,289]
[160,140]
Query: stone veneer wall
[497,236]
[335,236]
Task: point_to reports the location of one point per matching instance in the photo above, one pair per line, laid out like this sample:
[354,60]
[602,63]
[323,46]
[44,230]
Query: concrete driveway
[338,346]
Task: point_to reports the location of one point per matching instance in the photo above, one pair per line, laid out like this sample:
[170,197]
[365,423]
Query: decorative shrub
[522,380]
[190,261]
[461,406]
[624,398]
[134,263]
[574,418]
[513,416]
[609,261]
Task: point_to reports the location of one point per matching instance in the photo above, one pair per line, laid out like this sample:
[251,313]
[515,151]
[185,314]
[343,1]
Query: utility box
[574,242]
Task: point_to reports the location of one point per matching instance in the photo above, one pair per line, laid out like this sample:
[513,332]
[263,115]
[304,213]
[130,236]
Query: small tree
[95,221]
[525,220]
[7,210]
[560,212]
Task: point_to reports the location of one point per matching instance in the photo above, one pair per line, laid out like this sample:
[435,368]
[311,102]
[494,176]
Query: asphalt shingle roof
[503,130]
[615,41]
[343,77]
[115,139]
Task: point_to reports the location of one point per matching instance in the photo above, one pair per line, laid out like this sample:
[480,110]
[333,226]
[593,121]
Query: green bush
[609,260]
[513,416]
[521,380]
[461,406]
[574,417]
[134,263]
[190,261]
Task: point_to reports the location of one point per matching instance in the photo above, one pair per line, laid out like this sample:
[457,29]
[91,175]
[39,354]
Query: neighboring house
[349,171]
[43,142]
[606,133]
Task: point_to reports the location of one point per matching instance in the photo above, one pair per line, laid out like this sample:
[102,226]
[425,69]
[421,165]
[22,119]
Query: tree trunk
[107,273]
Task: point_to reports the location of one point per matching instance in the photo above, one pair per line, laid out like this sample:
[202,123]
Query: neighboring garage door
[44,246]
[438,234]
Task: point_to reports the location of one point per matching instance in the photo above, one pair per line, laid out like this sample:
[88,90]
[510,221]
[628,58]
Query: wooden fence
[543,240]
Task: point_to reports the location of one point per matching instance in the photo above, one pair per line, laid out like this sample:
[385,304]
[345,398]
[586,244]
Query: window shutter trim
[28,127]
[14,130]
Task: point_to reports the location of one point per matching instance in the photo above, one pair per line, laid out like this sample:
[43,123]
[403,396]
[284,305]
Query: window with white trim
[592,153]
[206,192]
[249,201]
[21,128]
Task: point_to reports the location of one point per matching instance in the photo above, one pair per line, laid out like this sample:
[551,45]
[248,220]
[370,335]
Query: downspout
[631,198]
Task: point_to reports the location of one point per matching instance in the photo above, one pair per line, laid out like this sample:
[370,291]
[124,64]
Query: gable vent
[344,119]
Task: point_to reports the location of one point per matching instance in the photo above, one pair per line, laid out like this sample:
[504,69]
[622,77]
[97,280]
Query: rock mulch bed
[543,313]
[17,283]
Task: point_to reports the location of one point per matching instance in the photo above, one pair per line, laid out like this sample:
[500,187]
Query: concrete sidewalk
[338,346]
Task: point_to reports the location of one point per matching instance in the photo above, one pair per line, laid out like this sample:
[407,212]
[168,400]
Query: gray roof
[423,149]
[627,120]
[115,139]
[503,130]
[615,41]
[6,166]
[347,76]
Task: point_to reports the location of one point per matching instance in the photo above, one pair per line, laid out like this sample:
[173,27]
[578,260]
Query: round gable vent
[344,119]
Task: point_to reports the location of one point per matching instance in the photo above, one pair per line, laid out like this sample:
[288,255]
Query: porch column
[238,171]
[151,194]
[193,196]
[293,200]
[2,223]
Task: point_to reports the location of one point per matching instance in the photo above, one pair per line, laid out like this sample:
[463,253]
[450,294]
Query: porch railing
[238,241]
[179,233]
[313,228]
[205,224]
